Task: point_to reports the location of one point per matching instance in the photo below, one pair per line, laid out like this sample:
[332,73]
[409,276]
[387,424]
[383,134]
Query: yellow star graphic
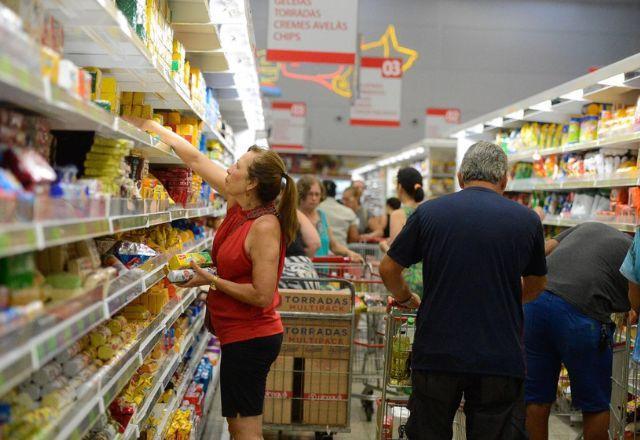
[389,40]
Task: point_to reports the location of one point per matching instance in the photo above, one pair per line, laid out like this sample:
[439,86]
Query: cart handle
[331,259]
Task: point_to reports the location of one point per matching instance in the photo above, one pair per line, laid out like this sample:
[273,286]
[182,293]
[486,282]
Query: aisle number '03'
[391,69]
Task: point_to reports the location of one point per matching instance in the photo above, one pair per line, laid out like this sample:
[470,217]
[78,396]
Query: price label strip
[121,224]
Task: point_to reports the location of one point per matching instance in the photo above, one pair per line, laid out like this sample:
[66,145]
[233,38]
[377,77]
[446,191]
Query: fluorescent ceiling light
[544,106]
[615,80]
[420,150]
[576,95]
[478,128]
[519,114]
[460,134]
[495,122]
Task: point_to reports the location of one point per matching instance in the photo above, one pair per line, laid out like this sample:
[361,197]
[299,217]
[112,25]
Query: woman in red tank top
[248,251]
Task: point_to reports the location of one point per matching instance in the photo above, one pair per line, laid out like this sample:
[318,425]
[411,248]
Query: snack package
[183,261]
[184,275]
[133,254]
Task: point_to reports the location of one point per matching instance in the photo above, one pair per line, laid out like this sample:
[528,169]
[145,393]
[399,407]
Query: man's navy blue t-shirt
[475,245]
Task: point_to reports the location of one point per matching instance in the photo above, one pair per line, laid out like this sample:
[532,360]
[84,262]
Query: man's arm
[353,236]
[634,296]
[532,286]
[391,274]
[550,246]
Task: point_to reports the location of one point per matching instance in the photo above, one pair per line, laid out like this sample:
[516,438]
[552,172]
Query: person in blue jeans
[631,270]
[570,324]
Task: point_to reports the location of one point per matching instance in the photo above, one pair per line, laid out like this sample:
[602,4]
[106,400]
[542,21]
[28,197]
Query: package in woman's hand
[183,261]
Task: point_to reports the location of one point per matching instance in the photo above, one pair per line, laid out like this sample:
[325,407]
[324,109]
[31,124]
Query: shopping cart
[625,383]
[371,304]
[371,252]
[394,413]
[309,385]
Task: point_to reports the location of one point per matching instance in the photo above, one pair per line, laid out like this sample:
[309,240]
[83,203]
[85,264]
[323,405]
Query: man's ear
[503,183]
[460,181]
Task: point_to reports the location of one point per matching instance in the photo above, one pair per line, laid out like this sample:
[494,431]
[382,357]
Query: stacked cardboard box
[316,355]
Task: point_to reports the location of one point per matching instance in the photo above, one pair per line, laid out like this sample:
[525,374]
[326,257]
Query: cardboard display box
[279,392]
[317,338]
[326,392]
[315,301]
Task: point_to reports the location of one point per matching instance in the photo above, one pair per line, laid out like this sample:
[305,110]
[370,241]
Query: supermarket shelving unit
[618,83]
[379,174]
[98,35]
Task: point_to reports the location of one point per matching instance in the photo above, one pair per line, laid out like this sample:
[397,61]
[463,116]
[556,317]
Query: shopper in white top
[342,220]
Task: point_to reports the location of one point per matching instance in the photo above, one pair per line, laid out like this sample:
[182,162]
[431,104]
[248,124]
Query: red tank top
[233,320]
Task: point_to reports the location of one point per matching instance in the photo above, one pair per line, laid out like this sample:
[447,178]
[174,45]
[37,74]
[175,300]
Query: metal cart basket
[309,384]
[393,413]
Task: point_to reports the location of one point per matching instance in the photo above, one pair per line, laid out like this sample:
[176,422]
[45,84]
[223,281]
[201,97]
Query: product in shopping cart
[400,373]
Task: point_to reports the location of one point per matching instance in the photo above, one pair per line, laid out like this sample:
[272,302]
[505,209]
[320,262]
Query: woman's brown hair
[304,186]
[269,171]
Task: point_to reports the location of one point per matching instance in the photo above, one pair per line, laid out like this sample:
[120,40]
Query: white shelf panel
[535,184]
[19,238]
[567,222]
[629,140]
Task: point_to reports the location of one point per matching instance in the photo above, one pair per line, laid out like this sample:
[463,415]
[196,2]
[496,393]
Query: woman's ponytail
[410,180]
[287,209]
[418,195]
[269,171]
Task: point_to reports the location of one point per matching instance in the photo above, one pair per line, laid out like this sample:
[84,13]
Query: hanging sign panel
[312,31]
[380,93]
[440,121]
[288,125]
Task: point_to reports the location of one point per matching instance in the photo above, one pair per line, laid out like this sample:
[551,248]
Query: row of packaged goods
[150,19]
[73,174]
[592,164]
[34,283]
[597,121]
[40,405]
[618,205]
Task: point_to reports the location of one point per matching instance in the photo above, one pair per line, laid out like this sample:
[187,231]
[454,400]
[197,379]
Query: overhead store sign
[288,125]
[313,31]
[380,93]
[441,121]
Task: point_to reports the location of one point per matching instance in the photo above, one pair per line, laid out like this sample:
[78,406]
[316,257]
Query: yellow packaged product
[183,261]
[136,111]
[138,98]
[100,336]
[147,111]
[126,98]
[49,64]
[126,109]
[109,86]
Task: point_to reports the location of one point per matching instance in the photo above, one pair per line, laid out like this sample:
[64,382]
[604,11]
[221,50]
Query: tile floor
[559,427]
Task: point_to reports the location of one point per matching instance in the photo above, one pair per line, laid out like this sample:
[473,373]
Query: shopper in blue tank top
[483,257]
[310,193]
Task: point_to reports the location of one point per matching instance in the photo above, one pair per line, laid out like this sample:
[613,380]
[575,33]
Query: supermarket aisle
[559,429]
